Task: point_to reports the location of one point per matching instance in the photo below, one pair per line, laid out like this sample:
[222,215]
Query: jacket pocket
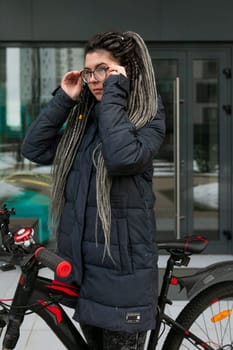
[125,248]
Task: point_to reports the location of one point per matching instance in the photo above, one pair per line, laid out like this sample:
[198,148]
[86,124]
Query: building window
[27,78]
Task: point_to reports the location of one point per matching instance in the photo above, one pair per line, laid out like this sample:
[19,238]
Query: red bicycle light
[63,269]
[174,281]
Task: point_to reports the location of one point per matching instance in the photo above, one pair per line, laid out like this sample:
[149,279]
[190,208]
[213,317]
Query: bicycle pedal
[7,267]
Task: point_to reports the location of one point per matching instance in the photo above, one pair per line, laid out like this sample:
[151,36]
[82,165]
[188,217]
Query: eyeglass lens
[99,74]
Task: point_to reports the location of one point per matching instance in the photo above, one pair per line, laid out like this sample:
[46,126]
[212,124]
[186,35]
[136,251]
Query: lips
[97,91]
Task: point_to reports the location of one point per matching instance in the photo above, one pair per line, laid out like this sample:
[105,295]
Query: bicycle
[210,294]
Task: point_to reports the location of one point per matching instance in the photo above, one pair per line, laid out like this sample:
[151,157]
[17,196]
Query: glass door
[169,72]
[209,177]
[192,176]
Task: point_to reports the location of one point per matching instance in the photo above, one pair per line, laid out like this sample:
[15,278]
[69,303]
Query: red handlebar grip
[61,267]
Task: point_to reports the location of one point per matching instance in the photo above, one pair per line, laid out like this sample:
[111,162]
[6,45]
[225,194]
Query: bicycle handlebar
[21,243]
[61,267]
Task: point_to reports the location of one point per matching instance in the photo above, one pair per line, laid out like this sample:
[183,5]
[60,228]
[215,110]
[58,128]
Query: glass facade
[194,189]
[166,72]
[28,75]
[206,145]
[27,78]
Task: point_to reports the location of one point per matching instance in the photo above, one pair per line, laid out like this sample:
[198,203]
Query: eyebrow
[99,64]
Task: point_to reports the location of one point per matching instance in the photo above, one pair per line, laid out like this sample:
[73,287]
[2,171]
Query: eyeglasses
[100,74]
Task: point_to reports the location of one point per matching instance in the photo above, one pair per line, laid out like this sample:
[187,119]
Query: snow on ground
[6,161]
[42,170]
[7,190]
[206,196]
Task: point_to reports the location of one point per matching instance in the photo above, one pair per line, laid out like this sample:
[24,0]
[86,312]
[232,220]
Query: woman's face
[95,64]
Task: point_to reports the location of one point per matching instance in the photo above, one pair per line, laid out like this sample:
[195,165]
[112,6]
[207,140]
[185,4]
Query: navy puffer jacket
[118,293]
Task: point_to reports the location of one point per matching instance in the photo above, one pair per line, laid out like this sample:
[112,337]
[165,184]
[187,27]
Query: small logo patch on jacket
[133,317]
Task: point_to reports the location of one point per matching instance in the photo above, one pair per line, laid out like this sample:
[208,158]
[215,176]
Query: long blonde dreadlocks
[130,50]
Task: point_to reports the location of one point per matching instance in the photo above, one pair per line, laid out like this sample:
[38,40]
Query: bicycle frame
[161,315]
[43,296]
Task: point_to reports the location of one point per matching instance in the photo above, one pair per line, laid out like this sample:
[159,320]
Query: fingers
[72,83]
[116,69]
[72,77]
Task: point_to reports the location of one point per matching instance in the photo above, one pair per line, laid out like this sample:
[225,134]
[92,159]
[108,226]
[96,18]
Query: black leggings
[102,339]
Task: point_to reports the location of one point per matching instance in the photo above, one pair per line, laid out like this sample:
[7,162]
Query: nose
[92,78]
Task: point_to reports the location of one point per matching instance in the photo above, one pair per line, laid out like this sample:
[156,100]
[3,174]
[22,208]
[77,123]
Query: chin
[98,97]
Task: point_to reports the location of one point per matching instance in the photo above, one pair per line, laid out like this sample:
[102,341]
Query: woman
[102,200]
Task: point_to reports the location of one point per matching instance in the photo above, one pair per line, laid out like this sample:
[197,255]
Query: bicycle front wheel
[209,316]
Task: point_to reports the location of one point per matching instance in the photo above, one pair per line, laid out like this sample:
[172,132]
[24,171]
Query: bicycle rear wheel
[209,316]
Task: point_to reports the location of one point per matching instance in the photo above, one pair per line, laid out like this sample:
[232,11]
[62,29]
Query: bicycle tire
[210,316]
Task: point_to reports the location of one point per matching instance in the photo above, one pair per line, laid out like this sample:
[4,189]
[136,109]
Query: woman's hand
[116,69]
[72,84]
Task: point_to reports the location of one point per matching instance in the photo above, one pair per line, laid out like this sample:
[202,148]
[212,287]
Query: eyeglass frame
[92,72]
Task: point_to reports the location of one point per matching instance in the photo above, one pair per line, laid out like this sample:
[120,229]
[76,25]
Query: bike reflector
[221,316]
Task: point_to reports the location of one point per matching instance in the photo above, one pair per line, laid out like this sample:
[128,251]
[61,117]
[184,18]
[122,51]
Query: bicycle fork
[17,310]
[3,319]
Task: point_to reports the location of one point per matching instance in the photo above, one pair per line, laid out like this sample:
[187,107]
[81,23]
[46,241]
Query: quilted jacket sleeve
[126,150]
[43,136]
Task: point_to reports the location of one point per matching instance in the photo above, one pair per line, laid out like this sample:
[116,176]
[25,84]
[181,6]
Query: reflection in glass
[205,146]
[27,78]
[13,88]
[166,70]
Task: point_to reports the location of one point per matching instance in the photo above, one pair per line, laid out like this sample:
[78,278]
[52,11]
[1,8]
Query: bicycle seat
[188,245]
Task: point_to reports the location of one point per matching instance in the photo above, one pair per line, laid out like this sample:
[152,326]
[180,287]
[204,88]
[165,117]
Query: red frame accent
[66,290]
[21,279]
[52,309]
[214,301]
[174,281]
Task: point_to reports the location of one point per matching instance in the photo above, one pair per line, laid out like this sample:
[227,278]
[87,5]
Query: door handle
[176,124]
